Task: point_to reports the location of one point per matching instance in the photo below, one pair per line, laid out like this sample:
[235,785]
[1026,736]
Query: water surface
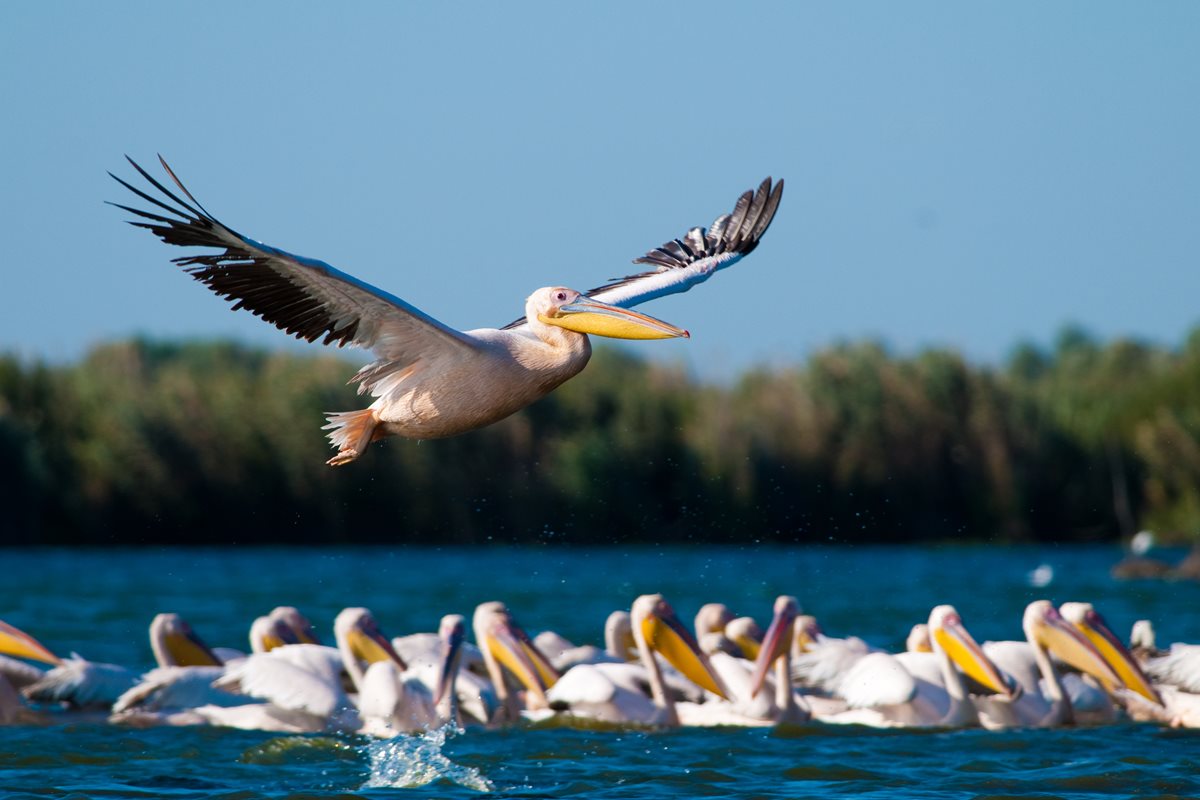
[99,603]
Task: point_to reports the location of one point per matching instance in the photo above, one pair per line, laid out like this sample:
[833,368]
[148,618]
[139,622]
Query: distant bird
[429,380]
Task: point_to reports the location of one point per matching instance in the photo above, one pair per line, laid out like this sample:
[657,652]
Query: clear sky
[958,174]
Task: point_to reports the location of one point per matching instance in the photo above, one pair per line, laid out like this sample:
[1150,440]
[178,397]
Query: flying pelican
[1044,700]
[429,380]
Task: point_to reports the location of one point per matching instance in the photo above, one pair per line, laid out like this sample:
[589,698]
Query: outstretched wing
[305,297]
[682,263]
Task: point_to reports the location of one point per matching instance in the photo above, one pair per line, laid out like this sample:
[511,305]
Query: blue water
[100,603]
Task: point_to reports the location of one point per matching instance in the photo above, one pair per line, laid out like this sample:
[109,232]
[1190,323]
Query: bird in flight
[428,379]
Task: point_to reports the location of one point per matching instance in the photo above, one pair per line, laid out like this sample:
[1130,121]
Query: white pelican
[938,696]
[508,650]
[1044,701]
[429,380]
[1170,697]
[744,680]
[622,693]
[474,697]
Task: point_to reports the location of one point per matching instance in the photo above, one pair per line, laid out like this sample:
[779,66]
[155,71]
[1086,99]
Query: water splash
[405,762]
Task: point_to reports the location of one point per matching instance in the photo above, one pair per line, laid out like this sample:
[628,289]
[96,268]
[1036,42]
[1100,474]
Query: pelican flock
[1069,669]
[430,380]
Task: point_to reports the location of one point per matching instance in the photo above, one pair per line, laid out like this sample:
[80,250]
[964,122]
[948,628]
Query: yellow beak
[586,315]
[1094,628]
[966,653]
[664,633]
[17,642]
[1061,638]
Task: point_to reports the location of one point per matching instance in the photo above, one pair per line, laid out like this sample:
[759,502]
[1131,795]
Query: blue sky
[962,175]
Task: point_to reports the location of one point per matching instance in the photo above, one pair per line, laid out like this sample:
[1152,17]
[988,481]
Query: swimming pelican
[1140,697]
[623,693]
[939,695]
[1176,673]
[429,380]
[1044,700]
[508,650]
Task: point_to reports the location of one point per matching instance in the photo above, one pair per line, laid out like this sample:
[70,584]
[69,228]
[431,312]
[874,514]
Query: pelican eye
[561,297]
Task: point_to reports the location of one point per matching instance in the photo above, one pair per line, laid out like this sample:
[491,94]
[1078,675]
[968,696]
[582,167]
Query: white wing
[682,263]
[82,683]
[303,296]
[173,688]
[1180,667]
[296,677]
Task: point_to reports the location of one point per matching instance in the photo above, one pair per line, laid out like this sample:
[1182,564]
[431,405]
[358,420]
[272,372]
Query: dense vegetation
[146,442]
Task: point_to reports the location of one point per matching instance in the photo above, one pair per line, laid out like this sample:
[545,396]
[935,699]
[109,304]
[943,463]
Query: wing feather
[302,296]
[680,264]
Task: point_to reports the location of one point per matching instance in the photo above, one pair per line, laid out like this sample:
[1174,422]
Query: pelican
[937,695]
[1167,701]
[1044,700]
[632,694]
[429,380]
[1177,676]
[744,680]
[506,646]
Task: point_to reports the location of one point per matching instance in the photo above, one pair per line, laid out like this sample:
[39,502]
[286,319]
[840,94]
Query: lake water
[99,604]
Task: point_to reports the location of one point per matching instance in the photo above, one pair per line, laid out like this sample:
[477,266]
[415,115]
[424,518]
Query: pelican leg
[351,432]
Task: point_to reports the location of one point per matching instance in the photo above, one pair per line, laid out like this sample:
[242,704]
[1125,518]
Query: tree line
[146,442]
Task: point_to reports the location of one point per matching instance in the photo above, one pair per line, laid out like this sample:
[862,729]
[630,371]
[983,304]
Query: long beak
[452,640]
[17,642]
[504,643]
[776,643]
[1060,637]
[966,653]
[189,650]
[666,634]
[586,315]
[369,644]
[1116,656]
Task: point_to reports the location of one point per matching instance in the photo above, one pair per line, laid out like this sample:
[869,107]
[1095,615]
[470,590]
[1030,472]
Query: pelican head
[360,639]
[301,628]
[745,633]
[948,634]
[1089,622]
[918,639]
[618,636]
[175,643]
[567,308]
[266,634]
[777,641]
[505,643]
[1045,626]
[16,642]
[656,628]
[712,618]
[806,632]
